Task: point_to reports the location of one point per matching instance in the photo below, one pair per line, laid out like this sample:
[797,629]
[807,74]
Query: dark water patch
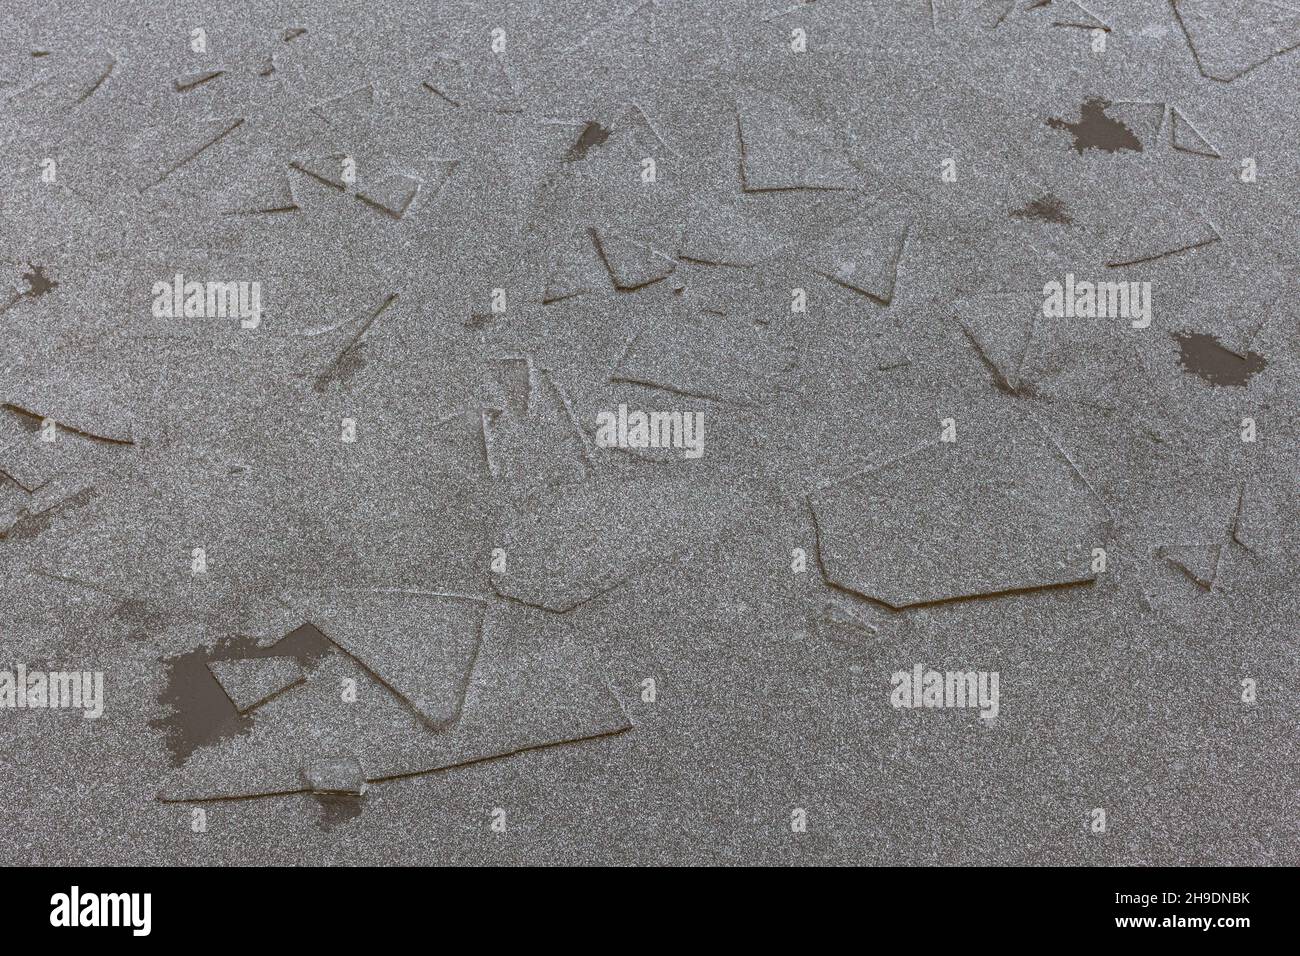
[1205,356]
[38,283]
[1045,209]
[593,134]
[199,712]
[33,524]
[337,808]
[1096,130]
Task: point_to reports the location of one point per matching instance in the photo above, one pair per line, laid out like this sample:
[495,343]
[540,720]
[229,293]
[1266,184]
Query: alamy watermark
[39,690]
[1098,300]
[952,689]
[208,300]
[75,908]
[637,429]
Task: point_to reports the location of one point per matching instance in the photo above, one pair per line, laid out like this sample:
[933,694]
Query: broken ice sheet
[574,267]
[999,327]
[566,546]
[1119,221]
[533,435]
[599,185]
[353,344]
[623,134]
[12,500]
[60,88]
[393,193]
[92,408]
[722,233]
[530,451]
[602,174]
[31,461]
[1184,136]
[349,110]
[758,295]
[1067,13]
[274,503]
[834,623]
[378,184]
[681,355]
[457,445]
[862,258]
[782,147]
[419,644]
[263,190]
[1209,556]
[188,81]
[532,685]
[1155,237]
[632,263]
[334,775]
[621,27]
[1200,562]
[982,14]
[50,619]
[1229,38]
[1044,208]
[252,682]
[483,83]
[28,516]
[743,257]
[55,445]
[509,383]
[1001,254]
[999,510]
[178,153]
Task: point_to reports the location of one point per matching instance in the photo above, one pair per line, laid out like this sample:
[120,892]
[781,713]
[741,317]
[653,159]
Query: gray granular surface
[649,431]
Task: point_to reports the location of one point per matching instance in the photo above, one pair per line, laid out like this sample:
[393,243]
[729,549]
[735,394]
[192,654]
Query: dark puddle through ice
[38,283]
[31,525]
[200,713]
[1045,209]
[337,808]
[593,134]
[1204,356]
[1096,130]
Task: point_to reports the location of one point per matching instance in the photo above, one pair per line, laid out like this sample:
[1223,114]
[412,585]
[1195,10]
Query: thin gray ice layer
[824,227]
